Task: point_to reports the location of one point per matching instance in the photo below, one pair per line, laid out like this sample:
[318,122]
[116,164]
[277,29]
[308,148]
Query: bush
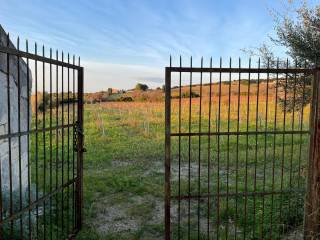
[40,102]
[188,95]
[125,99]
[142,87]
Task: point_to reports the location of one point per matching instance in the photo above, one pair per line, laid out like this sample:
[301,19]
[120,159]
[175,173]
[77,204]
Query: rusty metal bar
[199,149]
[256,151]
[62,146]
[247,153]
[274,149]
[35,131]
[44,140]
[9,140]
[19,138]
[179,174]
[73,141]
[209,152]
[51,145]
[28,142]
[244,133]
[79,183]
[239,194]
[57,142]
[265,147]
[35,56]
[283,140]
[218,154]
[167,188]
[243,70]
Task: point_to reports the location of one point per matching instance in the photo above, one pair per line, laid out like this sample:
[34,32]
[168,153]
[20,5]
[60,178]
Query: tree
[142,87]
[43,101]
[163,88]
[300,35]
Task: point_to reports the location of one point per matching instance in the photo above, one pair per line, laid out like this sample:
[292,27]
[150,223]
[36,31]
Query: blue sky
[122,42]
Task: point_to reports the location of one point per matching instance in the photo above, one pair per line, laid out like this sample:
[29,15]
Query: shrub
[188,95]
[125,99]
[142,87]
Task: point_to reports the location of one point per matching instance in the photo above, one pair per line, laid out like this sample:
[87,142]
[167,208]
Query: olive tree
[299,33]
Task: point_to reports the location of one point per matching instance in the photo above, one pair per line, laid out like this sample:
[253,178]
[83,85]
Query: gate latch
[77,132]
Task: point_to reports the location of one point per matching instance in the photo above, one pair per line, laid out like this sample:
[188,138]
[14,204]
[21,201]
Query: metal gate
[237,150]
[41,141]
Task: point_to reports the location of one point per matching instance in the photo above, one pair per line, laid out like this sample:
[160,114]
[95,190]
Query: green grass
[124,174]
[127,162]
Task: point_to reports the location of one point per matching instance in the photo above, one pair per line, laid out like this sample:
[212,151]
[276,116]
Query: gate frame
[78,126]
[311,223]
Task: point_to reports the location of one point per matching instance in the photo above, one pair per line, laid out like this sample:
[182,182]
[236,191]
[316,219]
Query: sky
[122,42]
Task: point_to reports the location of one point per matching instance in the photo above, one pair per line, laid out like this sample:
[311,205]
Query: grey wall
[4,143]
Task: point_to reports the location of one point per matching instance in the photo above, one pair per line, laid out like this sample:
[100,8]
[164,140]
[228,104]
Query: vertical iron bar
[62,146]
[79,186]
[301,126]
[167,153]
[283,141]
[9,139]
[199,153]
[57,142]
[179,201]
[265,150]
[73,140]
[292,128]
[189,152]
[19,138]
[218,153]
[68,149]
[228,151]
[274,150]
[28,139]
[237,150]
[44,108]
[256,154]
[209,152]
[37,146]
[51,106]
[247,153]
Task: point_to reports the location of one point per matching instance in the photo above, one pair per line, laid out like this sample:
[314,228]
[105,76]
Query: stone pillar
[25,91]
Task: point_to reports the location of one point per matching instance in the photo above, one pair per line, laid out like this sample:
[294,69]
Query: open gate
[41,142]
[237,150]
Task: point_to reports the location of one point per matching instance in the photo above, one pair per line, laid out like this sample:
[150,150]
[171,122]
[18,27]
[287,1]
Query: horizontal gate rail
[32,56]
[234,194]
[241,70]
[34,131]
[238,133]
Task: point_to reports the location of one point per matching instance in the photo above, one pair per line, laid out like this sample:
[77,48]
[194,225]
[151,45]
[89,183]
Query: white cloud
[101,75]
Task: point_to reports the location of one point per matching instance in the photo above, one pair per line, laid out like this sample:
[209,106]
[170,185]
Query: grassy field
[124,171]
[124,166]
